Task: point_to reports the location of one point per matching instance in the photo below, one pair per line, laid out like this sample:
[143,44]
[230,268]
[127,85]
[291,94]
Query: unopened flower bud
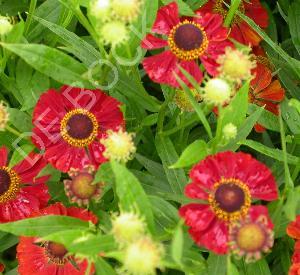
[127,227]
[143,257]
[118,145]
[101,9]
[229,131]
[217,91]
[126,10]
[5,25]
[236,65]
[113,33]
[4,116]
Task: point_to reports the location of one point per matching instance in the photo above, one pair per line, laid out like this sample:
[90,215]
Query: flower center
[9,184]
[230,199]
[222,9]
[79,127]
[82,186]
[56,253]
[188,40]
[251,238]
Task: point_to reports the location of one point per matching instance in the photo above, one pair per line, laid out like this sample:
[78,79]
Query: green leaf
[244,130]
[20,153]
[231,268]
[217,264]
[258,268]
[20,120]
[293,63]
[291,117]
[103,268]
[294,23]
[51,62]
[270,152]
[40,226]
[193,101]
[192,154]
[267,119]
[131,194]
[290,207]
[168,155]
[184,8]
[83,50]
[236,111]
[177,245]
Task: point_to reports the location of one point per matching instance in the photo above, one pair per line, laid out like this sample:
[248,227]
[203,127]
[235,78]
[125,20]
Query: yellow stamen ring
[236,188]
[78,141]
[14,185]
[187,55]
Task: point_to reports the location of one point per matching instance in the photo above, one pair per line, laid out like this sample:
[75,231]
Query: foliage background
[53,45]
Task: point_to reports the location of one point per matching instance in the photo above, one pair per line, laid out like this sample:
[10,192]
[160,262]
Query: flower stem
[13,131]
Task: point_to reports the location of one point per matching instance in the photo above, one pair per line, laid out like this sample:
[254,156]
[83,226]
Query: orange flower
[265,91]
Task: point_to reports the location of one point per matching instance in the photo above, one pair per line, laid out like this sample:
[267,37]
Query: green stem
[231,13]
[287,176]
[30,13]
[13,131]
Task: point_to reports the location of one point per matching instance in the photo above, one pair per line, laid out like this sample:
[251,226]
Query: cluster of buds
[142,255]
[113,17]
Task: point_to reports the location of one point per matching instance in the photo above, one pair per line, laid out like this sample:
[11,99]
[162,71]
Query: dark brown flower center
[80,126]
[230,197]
[56,252]
[188,37]
[4,181]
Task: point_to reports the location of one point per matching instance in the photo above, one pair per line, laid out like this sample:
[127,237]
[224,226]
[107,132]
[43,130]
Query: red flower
[20,192]
[293,230]
[189,40]
[227,181]
[50,257]
[265,90]
[69,124]
[2,267]
[240,30]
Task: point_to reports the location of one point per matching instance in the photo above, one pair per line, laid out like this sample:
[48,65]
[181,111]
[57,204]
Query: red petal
[160,68]
[293,229]
[82,214]
[197,216]
[151,42]
[259,128]
[274,92]
[167,17]
[215,238]
[194,191]
[257,12]
[263,78]
[3,156]
[250,36]
[29,200]
[30,167]
[257,211]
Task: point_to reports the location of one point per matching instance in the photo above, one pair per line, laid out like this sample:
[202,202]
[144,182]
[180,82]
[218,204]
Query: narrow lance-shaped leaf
[52,62]
[131,194]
